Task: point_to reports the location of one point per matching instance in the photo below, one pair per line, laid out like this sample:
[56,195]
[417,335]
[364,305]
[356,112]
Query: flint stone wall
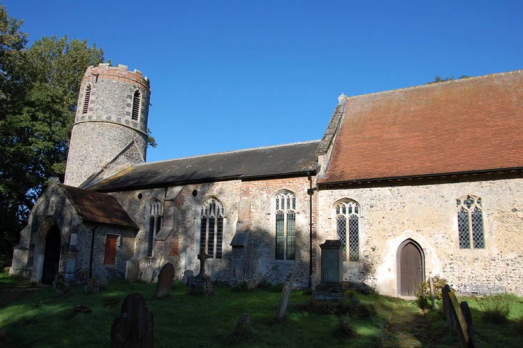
[426,212]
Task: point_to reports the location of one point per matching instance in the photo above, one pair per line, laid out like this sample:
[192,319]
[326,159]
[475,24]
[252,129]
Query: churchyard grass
[40,318]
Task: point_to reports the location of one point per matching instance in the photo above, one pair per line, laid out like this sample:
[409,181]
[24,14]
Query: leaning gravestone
[243,327]
[284,299]
[132,270]
[134,327]
[188,276]
[202,284]
[148,274]
[165,280]
[330,288]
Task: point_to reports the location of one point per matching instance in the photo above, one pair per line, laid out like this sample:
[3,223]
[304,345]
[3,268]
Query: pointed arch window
[136,105]
[470,222]
[348,228]
[211,228]
[155,218]
[87,99]
[285,212]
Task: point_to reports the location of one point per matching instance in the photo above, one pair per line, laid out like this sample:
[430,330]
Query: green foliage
[495,308]
[451,78]
[38,95]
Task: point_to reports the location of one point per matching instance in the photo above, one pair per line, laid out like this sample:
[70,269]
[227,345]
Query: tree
[439,79]
[38,96]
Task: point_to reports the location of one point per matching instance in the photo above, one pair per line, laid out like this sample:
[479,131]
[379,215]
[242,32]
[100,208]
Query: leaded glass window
[348,228]
[155,216]
[470,223]
[211,228]
[285,205]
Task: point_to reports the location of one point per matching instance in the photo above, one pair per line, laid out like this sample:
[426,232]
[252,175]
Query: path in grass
[409,327]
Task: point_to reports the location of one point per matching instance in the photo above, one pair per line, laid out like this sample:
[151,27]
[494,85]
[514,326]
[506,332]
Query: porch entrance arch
[51,255]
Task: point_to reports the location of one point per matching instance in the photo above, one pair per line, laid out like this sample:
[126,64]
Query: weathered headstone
[165,280]
[330,288]
[134,327]
[103,282]
[460,321]
[202,284]
[447,306]
[243,327]
[468,319]
[284,299]
[61,285]
[132,270]
[188,277]
[148,274]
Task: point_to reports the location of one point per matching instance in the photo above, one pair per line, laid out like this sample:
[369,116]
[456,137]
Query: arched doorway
[411,267]
[51,255]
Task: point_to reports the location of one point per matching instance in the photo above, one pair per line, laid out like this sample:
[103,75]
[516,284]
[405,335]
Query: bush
[422,296]
[519,326]
[495,308]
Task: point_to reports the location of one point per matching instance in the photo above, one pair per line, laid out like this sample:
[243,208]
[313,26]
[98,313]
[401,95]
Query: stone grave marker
[447,306]
[148,274]
[284,299]
[132,271]
[468,319]
[243,327]
[330,288]
[188,276]
[165,280]
[201,284]
[134,327]
[460,321]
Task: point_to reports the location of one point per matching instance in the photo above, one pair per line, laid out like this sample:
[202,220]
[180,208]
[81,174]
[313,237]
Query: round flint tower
[113,107]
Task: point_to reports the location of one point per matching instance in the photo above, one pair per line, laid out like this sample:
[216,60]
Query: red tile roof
[468,125]
[99,207]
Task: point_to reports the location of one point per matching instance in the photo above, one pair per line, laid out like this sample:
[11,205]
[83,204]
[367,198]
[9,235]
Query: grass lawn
[37,317]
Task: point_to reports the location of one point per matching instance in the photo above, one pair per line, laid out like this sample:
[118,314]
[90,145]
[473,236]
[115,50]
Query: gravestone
[201,284]
[188,277]
[461,323]
[148,274]
[468,319]
[165,280]
[447,306]
[103,281]
[134,327]
[284,299]
[132,270]
[243,327]
[330,288]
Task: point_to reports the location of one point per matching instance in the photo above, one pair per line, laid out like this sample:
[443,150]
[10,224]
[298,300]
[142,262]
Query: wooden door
[411,269]
[51,256]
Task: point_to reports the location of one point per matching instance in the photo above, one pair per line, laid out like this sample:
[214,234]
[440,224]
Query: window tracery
[211,228]
[285,212]
[470,222]
[347,228]
[155,217]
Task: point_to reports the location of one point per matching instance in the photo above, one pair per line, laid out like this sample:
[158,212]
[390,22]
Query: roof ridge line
[431,84]
[227,152]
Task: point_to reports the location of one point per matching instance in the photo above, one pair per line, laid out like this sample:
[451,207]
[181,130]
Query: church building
[415,182]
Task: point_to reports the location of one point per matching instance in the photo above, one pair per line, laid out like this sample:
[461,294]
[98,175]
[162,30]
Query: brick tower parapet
[112,112]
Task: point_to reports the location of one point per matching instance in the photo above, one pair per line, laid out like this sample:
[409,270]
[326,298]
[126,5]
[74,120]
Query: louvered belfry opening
[136,106]
[87,99]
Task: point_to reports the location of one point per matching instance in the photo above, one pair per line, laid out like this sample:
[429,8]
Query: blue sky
[228,75]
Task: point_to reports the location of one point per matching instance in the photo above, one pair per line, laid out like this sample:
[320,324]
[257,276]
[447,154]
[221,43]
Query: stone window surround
[83,100]
[198,219]
[129,108]
[157,212]
[334,224]
[140,100]
[481,207]
[272,214]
